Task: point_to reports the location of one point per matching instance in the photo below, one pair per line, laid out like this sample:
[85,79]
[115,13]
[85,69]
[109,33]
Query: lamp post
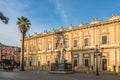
[97,53]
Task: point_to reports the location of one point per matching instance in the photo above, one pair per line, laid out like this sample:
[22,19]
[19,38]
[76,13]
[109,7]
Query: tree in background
[3,18]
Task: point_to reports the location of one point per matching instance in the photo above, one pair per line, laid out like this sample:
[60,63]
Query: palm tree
[23,25]
[3,18]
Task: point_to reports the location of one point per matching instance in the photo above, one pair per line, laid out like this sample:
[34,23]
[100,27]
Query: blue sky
[49,14]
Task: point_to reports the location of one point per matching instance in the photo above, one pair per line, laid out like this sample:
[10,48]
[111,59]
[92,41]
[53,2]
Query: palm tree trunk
[22,55]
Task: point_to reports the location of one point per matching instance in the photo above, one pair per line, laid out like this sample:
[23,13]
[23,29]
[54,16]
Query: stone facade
[80,41]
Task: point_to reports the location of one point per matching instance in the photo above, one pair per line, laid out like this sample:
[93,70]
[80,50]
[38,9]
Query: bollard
[114,70]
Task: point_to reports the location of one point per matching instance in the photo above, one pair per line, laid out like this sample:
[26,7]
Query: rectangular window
[104,39]
[86,41]
[86,63]
[66,44]
[49,46]
[75,62]
[39,47]
[75,43]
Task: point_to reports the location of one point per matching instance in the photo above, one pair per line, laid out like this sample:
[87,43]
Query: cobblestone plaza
[44,75]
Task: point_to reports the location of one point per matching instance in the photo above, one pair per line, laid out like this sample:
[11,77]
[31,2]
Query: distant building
[80,44]
[9,52]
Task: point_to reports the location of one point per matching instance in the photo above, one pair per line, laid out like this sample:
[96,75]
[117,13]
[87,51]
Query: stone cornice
[92,24]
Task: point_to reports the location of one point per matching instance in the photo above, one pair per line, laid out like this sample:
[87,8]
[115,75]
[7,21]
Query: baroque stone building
[80,45]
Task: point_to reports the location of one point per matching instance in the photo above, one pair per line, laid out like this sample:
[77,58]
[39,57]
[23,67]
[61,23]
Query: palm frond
[23,24]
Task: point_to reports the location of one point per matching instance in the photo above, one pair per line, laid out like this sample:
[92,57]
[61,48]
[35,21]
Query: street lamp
[97,53]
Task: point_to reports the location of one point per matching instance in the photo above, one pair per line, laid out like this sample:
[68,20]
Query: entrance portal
[104,64]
